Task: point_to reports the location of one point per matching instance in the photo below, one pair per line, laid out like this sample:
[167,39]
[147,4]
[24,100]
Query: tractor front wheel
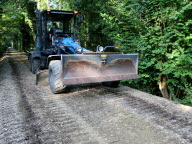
[55,78]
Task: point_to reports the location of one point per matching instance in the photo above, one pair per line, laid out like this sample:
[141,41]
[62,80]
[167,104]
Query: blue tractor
[59,51]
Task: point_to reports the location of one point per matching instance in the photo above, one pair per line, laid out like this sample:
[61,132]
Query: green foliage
[186,101]
[167,46]
[17,24]
[159,30]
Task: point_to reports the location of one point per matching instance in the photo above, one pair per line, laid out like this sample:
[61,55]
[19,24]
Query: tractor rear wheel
[55,78]
[112,84]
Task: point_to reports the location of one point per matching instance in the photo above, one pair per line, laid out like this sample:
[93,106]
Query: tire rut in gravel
[129,102]
[12,129]
[87,115]
[179,125]
[70,124]
[47,121]
[38,129]
[29,115]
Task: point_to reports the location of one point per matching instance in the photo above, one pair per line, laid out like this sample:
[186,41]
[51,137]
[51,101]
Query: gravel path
[86,114]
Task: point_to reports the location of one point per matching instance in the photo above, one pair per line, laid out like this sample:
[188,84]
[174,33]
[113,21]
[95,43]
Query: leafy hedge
[159,30]
[17,24]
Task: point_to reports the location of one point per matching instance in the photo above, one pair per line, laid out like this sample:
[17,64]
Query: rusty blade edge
[101,76]
[73,81]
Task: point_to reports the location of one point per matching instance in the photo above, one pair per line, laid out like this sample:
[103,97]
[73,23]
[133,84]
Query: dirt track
[86,114]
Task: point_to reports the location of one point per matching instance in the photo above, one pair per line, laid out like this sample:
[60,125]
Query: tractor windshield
[65,21]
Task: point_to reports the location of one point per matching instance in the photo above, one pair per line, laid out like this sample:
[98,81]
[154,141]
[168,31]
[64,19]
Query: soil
[85,114]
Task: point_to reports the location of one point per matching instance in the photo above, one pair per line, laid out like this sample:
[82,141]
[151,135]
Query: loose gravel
[85,114]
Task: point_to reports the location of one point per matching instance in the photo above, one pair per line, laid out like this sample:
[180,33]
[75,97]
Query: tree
[159,30]
[17,24]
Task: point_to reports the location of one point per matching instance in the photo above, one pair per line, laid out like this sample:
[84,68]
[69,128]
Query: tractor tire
[55,80]
[112,84]
[35,65]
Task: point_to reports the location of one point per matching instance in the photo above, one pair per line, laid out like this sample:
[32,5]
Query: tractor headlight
[61,46]
[101,49]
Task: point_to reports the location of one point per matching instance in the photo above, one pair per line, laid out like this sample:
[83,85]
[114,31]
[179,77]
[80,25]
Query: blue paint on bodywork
[71,45]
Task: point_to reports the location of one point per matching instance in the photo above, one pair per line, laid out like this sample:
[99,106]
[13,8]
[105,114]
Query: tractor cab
[57,30]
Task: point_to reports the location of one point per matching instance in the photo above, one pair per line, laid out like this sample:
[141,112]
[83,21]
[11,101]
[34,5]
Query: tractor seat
[60,34]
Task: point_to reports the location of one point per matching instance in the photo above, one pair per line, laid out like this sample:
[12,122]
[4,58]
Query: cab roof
[57,15]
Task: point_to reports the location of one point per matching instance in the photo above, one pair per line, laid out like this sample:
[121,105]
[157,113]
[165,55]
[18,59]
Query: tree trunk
[38,4]
[163,87]
[48,7]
